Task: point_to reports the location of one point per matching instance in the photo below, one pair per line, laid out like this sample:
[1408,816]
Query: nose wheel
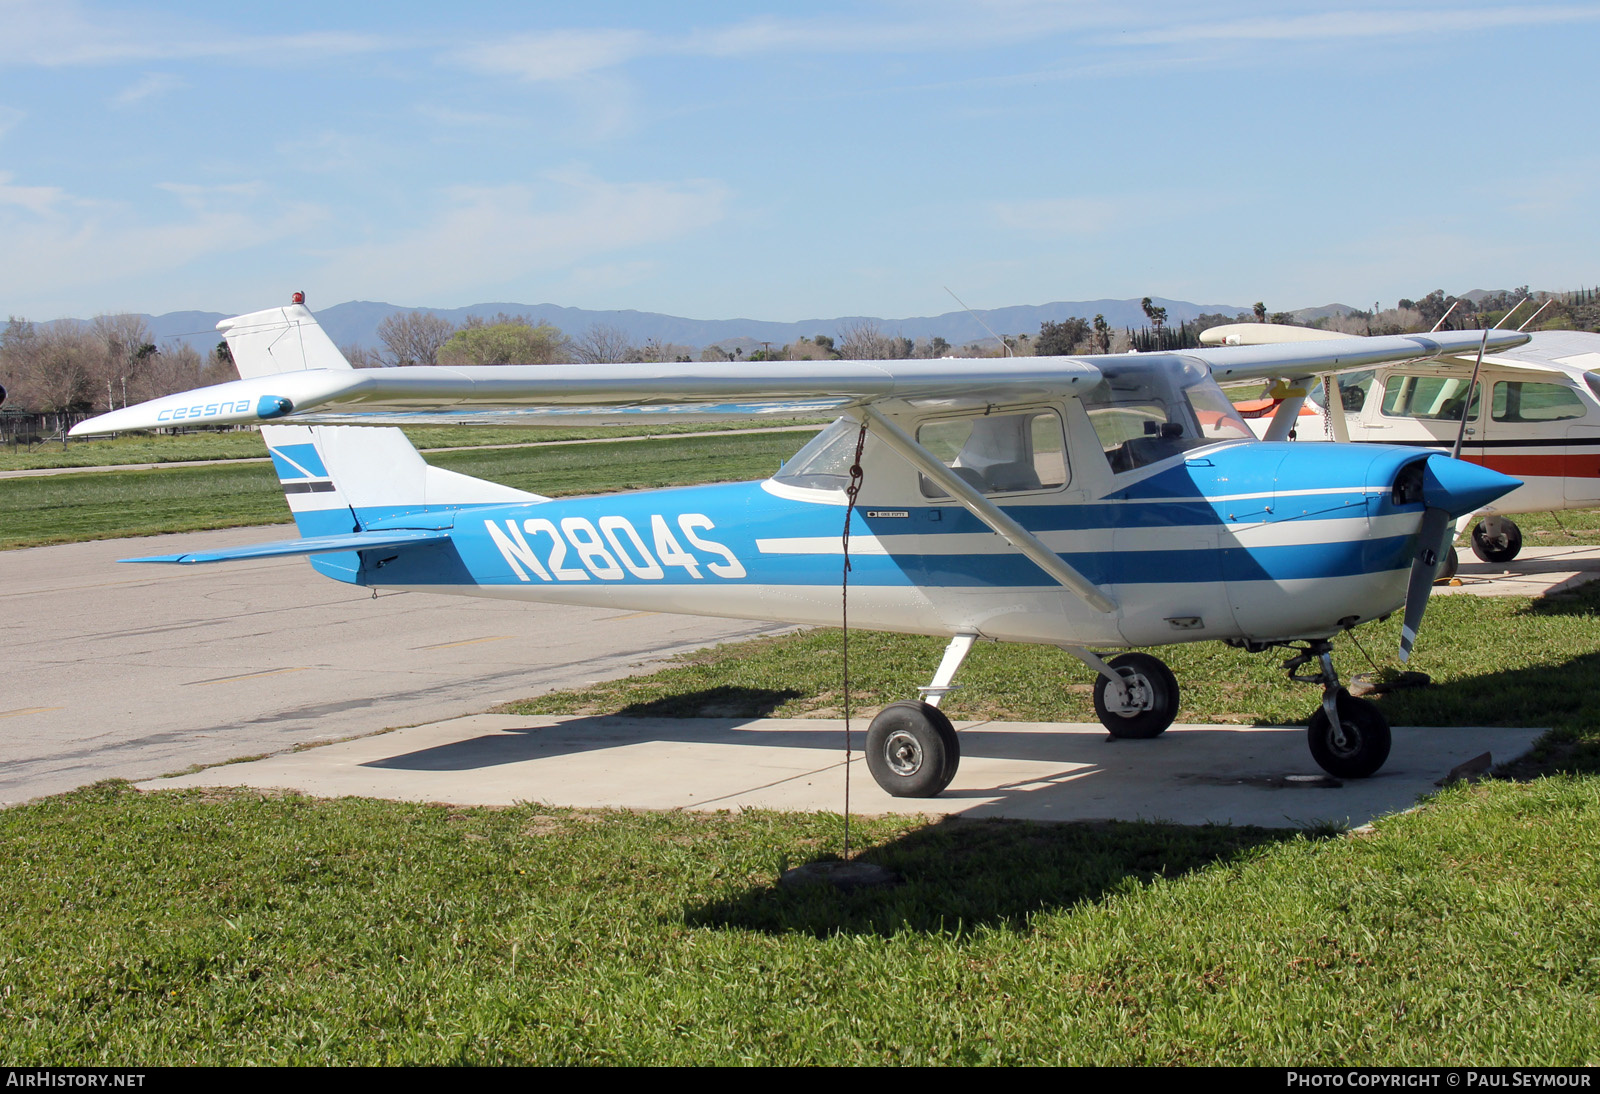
[1349,737]
[1354,747]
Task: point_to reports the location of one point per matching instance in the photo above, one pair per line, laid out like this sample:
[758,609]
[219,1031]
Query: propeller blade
[1431,546]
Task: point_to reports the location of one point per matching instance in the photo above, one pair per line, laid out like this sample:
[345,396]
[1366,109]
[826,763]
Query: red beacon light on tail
[298,298]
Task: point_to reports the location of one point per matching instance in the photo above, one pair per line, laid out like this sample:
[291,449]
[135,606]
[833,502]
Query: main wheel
[1362,745]
[912,750]
[1152,701]
[1499,546]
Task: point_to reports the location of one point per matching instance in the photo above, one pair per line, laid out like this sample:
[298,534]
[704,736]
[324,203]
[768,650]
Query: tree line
[75,368]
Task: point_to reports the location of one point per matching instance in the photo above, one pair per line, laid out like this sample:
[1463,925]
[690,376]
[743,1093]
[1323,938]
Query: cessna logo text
[611,548]
[204,410]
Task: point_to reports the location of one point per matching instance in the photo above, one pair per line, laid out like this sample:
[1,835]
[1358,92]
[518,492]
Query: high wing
[313,385]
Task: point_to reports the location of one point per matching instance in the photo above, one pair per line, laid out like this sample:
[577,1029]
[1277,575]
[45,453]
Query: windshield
[1147,409]
[824,463]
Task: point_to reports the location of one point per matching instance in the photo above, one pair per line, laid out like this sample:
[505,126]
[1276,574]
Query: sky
[789,161]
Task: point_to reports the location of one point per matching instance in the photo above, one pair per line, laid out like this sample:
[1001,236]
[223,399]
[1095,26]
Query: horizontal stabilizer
[317,545]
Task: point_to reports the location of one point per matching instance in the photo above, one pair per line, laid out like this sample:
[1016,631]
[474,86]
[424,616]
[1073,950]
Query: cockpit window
[1145,411]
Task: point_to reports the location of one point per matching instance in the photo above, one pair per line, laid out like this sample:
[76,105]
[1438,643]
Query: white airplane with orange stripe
[1534,415]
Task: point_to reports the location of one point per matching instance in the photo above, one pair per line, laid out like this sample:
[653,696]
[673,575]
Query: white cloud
[146,87]
[555,55]
[1322,26]
[55,33]
[41,201]
[956,27]
[492,236]
[69,244]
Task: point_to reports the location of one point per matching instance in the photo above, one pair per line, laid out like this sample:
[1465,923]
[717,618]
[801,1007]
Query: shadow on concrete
[960,875]
[724,701]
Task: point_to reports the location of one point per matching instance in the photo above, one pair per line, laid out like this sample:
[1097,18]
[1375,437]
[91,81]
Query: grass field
[68,508]
[137,448]
[231,928]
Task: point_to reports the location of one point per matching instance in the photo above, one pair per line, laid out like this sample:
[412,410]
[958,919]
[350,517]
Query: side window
[1432,398]
[998,453]
[1524,401]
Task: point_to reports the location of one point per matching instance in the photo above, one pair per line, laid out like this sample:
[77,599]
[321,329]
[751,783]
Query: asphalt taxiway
[133,671]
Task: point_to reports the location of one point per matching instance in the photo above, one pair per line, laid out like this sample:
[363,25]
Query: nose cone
[1460,488]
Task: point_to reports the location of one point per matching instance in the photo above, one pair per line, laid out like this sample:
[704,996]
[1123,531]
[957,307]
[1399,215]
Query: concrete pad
[1024,770]
[1536,571]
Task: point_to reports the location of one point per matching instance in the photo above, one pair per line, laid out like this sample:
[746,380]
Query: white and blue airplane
[1083,502]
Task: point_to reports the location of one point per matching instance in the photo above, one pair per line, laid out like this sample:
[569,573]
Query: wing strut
[987,511]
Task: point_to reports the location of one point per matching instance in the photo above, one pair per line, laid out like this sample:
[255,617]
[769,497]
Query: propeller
[1431,545]
[1448,488]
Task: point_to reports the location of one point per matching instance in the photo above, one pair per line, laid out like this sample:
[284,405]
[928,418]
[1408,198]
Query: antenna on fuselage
[1006,348]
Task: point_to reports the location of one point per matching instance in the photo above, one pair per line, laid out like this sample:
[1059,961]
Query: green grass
[136,448]
[73,507]
[226,928]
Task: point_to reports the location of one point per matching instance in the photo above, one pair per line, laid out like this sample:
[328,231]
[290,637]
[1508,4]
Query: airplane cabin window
[1431,398]
[1525,401]
[998,453]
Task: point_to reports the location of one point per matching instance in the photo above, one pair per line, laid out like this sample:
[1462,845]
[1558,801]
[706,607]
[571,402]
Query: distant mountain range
[356,322]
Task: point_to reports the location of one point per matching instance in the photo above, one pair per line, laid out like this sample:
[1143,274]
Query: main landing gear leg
[1135,695]
[1349,737]
[912,750]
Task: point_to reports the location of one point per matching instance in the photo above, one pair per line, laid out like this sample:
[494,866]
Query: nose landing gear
[1349,737]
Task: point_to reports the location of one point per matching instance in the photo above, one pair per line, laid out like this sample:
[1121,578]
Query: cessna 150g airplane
[1541,421]
[1082,502]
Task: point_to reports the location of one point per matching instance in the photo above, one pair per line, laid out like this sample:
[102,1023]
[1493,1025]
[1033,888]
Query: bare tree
[602,344]
[862,340]
[58,369]
[177,367]
[360,356]
[413,338]
[129,345]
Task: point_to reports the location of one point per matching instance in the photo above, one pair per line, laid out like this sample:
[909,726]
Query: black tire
[1501,548]
[1156,693]
[912,750]
[1366,739]
[1447,570]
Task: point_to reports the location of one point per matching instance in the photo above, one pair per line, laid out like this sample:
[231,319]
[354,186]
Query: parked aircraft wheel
[1152,697]
[912,750]
[1365,738]
[1499,546]
[1452,563]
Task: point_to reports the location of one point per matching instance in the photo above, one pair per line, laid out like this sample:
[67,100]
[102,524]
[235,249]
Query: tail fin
[341,479]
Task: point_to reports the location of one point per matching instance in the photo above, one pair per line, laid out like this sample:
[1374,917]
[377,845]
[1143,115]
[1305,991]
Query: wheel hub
[903,754]
[1136,695]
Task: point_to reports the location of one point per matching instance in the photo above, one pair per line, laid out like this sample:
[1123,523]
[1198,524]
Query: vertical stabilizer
[289,339]
[341,479]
